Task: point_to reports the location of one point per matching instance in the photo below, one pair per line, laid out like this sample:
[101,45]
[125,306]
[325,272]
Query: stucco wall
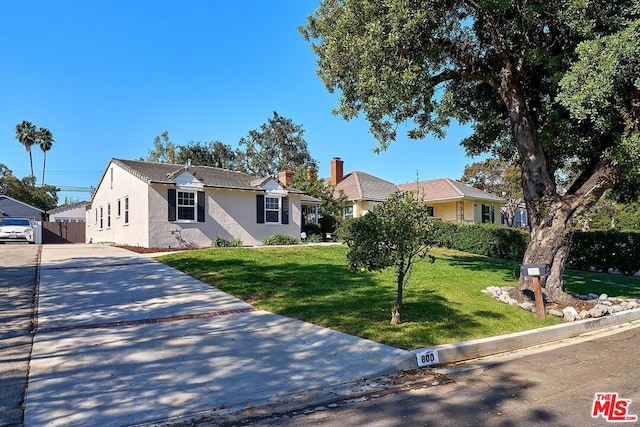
[136,232]
[229,214]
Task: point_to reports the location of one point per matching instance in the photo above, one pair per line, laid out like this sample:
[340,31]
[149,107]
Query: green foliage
[221,242]
[43,197]
[396,234]
[604,250]
[163,151]
[312,230]
[278,145]
[482,239]
[280,239]
[213,153]
[306,179]
[328,224]
[496,66]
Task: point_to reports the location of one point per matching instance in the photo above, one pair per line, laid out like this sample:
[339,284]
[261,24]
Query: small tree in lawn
[395,235]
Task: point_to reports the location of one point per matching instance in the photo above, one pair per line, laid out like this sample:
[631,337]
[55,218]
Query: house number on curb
[427,358]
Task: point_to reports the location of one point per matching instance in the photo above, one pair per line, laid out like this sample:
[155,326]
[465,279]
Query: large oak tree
[496,65]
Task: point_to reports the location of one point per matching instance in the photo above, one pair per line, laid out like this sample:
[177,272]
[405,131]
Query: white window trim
[125,210]
[278,210]
[118,208]
[194,192]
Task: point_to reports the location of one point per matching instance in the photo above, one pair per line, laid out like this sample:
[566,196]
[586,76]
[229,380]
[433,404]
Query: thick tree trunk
[550,243]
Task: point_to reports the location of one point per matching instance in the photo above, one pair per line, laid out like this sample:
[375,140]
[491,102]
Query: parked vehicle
[16,229]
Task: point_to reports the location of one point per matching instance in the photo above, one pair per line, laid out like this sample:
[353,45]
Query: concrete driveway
[124,340]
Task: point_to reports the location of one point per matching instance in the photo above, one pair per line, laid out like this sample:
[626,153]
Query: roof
[165,173]
[362,186]
[67,207]
[17,207]
[446,189]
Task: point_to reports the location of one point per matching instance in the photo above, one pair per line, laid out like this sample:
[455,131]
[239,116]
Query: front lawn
[442,303]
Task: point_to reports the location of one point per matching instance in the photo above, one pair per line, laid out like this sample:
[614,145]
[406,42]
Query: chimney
[285,177]
[337,173]
[312,173]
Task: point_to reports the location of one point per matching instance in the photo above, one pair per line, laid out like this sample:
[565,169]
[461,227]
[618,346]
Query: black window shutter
[260,208]
[172,204]
[200,206]
[285,210]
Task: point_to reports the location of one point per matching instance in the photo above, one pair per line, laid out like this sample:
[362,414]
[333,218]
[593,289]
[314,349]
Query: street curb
[458,352]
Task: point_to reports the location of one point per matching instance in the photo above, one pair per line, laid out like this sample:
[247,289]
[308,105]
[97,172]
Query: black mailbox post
[536,271]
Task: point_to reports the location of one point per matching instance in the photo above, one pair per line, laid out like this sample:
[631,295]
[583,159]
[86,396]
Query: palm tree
[26,135]
[44,139]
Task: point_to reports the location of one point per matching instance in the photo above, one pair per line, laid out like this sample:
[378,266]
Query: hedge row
[489,240]
[604,250]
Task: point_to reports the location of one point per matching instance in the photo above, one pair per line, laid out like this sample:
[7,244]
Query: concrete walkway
[124,340]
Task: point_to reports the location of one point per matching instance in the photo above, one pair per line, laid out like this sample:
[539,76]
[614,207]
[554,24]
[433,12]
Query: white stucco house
[159,205]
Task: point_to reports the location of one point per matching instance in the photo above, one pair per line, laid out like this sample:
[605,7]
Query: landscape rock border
[601,305]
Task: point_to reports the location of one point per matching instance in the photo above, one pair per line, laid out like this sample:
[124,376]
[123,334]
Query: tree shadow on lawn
[336,297]
[508,270]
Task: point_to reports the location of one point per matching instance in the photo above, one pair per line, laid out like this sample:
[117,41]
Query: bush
[327,224]
[221,242]
[312,229]
[280,239]
[482,239]
[604,250]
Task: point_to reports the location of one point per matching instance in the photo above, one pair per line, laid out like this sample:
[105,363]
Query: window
[430,211]
[272,209]
[347,212]
[118,208]
[186,205]
[108,215]
[100,217]
[126,210]
[487,214]
[96,215]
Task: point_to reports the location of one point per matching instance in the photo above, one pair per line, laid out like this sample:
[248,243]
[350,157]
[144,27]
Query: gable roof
[362,186]
[165,173]
[22,204]
[67,207]
[447,189]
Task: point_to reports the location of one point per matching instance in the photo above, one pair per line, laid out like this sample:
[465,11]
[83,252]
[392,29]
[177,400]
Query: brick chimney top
[285,177]
[337,171]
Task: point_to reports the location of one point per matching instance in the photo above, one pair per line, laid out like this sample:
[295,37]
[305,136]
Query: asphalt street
[551,386]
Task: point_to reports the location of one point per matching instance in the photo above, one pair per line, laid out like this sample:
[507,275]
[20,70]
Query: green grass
[583,282]
[442,302]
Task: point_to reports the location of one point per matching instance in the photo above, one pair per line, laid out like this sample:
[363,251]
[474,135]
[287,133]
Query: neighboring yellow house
[446,199]
[161,205]
[454,201]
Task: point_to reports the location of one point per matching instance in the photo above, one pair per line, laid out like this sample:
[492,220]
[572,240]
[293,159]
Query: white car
[16,229]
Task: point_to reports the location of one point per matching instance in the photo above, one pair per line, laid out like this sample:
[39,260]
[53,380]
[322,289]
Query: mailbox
[534,270]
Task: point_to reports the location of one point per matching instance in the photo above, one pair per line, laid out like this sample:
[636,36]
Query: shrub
[312,229]
[482,239]
[280,239]
[314,238]
[604,250]
[221,242]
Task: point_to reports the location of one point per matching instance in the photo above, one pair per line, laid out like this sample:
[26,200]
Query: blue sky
[106,77]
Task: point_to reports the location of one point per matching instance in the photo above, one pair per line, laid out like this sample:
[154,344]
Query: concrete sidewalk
[124,340]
